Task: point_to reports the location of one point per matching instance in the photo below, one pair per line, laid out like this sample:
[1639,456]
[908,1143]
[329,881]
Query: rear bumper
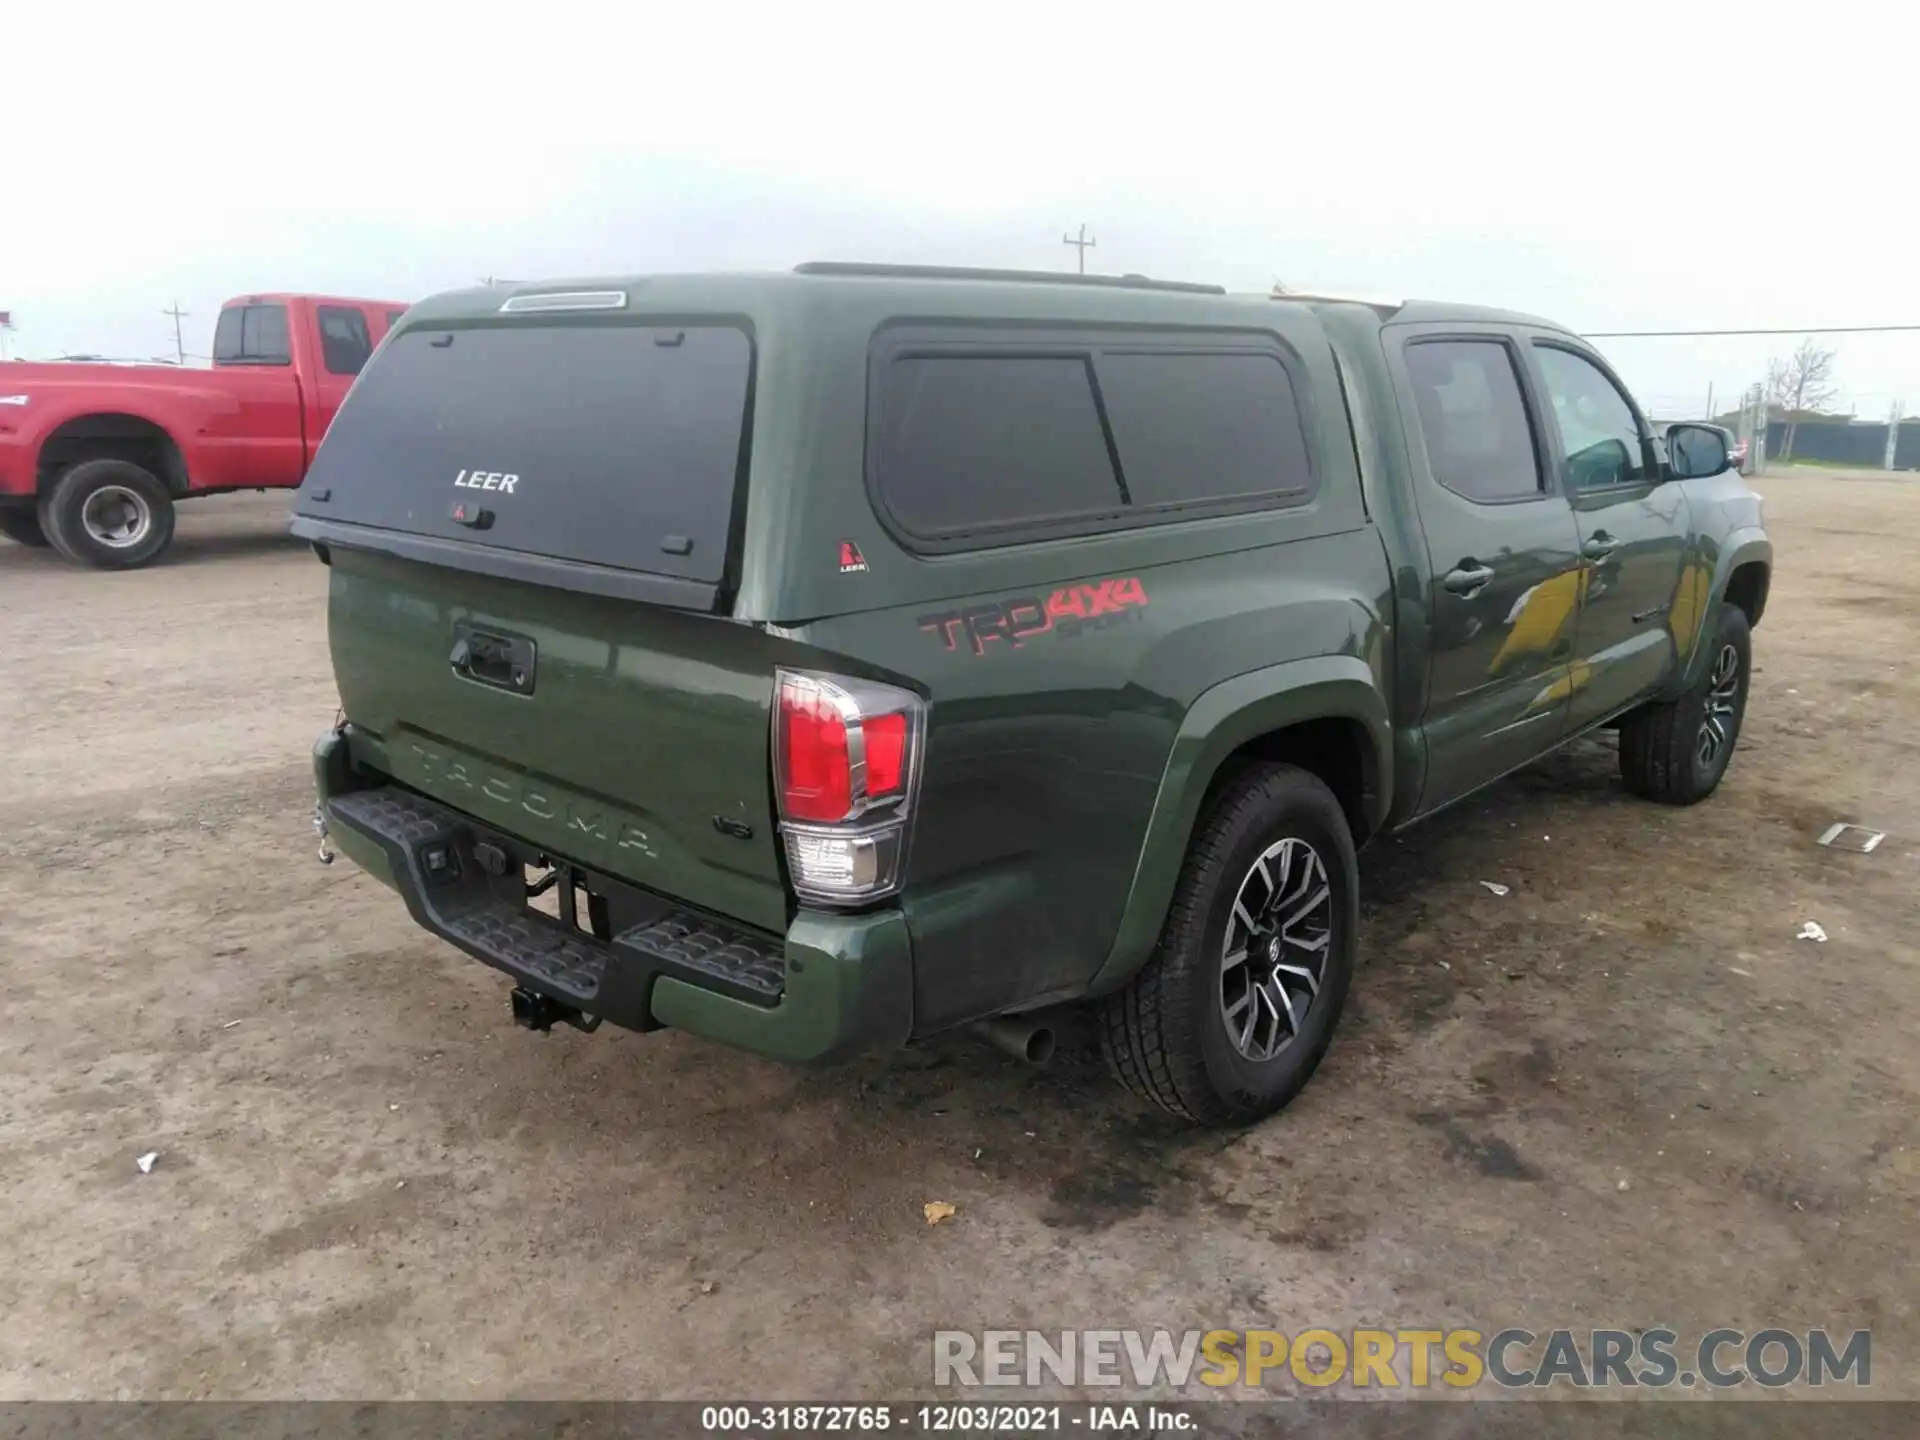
[832,987]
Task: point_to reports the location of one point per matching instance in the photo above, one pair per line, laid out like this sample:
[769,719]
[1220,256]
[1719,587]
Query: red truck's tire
[23,528]
[109,514]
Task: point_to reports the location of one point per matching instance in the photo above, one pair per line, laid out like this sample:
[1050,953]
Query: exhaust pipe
[1022,1037]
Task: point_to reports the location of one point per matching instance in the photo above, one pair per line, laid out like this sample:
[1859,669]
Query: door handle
[505,662]
[1469,577]
[1599,545]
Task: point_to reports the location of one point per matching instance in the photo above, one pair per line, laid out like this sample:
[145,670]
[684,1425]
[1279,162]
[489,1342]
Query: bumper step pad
[431,851]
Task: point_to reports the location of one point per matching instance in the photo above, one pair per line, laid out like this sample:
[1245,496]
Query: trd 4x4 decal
[1067,612]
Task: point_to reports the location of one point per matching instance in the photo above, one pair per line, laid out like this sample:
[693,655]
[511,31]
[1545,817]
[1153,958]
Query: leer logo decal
[852,562]
[1067,612]
[485,480]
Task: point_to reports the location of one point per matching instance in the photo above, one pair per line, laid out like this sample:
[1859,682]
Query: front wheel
[1676,751]
[110,514]
[1230,1016]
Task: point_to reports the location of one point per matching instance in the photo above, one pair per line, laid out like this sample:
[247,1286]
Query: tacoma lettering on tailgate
[580,817]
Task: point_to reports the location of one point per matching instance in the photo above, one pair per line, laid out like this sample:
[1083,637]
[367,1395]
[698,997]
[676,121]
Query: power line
[1805,330]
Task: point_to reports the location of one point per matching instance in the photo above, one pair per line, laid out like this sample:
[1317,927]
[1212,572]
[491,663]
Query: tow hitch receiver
[535,1011]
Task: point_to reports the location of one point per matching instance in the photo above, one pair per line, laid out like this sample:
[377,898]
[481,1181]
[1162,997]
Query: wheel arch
[1747,587]
[1742,576]
[1325,714]
[111,435]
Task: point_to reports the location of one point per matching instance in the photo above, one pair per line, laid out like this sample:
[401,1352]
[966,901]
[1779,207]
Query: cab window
[252,335]
[1473,419]
[345,343]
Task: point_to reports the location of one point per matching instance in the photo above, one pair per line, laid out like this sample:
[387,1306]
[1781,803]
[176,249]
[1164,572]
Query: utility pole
[1081,243]
[1709,415]
[1748,430]
[179,341]
[1758,413]
[1893,434]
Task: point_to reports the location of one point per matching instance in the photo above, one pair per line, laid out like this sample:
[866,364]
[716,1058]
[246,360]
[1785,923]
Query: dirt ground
[1623,1094]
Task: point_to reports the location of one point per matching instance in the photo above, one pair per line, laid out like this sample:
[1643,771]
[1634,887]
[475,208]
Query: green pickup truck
[823,661]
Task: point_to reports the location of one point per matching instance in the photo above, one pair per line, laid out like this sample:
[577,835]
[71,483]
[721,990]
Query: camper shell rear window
[606,444]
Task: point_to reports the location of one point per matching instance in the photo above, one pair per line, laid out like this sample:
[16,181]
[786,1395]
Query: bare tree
[1801,382]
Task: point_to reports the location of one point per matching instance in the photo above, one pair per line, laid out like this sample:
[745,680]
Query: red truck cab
[93,458]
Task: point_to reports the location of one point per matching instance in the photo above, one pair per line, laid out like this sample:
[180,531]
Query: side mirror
[1696,452]
[1603,463]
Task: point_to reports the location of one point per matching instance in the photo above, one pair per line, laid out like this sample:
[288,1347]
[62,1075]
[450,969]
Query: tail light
[846,762]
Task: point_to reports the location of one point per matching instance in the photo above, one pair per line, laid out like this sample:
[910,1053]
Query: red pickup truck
[94,457]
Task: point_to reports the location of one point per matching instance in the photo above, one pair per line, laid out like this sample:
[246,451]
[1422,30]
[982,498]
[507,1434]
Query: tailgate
[529,519]
[637,741]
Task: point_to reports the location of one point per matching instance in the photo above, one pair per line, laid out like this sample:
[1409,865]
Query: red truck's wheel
[22,527]
[110,514]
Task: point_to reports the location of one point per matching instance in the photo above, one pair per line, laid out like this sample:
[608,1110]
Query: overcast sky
[1614,166]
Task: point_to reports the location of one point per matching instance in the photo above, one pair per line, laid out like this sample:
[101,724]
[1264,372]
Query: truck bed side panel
[1044,759]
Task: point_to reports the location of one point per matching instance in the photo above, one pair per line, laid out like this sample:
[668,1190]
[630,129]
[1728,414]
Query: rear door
[262,441]
[529,528]
[1503,585]
[1633,530]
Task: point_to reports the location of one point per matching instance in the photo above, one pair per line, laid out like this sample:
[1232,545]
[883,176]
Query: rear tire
[1677,751]
[109,514]
[23,528]
[1189,1032]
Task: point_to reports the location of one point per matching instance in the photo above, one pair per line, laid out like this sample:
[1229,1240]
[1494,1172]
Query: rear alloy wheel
[1678,750]
[1229,1017]
[1274,957]
[23,528]
[110,514]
